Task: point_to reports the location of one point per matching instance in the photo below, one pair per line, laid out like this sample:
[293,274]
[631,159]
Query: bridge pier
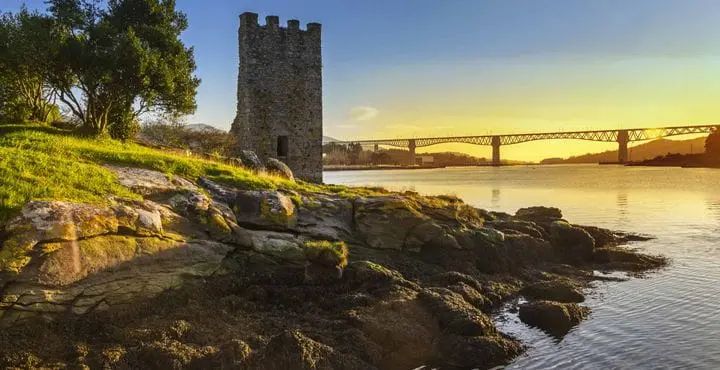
[411,148]
[496,150]
[623,138]
[376,148]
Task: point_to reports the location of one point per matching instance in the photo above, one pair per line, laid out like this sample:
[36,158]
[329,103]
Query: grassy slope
[39,162]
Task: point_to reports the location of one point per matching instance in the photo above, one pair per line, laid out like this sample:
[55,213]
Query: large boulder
[278,168]
[554,318]
[250,160]
[269,209]
[539,214]
[325,216]
[395,222]
[476,352]
[572,244]
[455,315]
[553,290]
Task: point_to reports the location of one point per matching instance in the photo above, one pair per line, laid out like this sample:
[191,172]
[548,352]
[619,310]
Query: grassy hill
[40,162]
[640,152]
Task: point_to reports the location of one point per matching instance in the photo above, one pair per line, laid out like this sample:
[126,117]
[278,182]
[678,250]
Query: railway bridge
[620,136]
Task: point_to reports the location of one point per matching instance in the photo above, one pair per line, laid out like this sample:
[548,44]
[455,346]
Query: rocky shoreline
[202,275]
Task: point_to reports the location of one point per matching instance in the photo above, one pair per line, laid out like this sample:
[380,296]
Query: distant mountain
[201,127]
[328,139]
[641,152]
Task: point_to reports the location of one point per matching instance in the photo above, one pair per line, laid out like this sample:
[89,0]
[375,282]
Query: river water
[667,320]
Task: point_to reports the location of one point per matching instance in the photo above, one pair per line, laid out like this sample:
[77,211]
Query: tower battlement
[279,93]
[272,22]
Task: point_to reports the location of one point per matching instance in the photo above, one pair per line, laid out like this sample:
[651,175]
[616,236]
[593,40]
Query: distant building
[279,94]
[424,160]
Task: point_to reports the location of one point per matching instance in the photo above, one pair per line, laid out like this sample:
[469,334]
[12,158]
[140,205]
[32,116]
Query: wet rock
[602,237]
[619,258]
[554,290]
[539,214]
[476,352]
[573,244]
[553,317]
[250,160]
[454,314]
[524,227]
[278,168]
[471,295]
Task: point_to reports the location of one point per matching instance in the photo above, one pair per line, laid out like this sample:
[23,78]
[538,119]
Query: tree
[354,150]
[121,61]
[27,47]
[712,144]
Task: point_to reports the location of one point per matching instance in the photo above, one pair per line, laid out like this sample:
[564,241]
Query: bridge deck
[636,134]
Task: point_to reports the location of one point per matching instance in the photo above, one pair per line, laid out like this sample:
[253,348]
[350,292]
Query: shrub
[327,253]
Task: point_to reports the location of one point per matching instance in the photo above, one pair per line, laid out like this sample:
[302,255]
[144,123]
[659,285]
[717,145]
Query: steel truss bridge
[620,136]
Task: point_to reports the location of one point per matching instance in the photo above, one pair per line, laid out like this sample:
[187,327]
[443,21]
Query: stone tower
[279,93]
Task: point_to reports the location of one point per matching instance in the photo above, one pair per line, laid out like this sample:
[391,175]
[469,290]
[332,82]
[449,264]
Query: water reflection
[495,199]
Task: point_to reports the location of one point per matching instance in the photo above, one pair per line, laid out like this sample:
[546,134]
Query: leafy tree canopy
[118,61]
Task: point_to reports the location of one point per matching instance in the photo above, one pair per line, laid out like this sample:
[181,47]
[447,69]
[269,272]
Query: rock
[150,183]
[524,227]
[278,168]
[271,209]
[291,349]
[325,216]
[279,245]
[250,160]
[471,295]
[102,272]
[492,235]
[554,290]
[454,314]
[234,354]
[573,244]
[394,222]
[52,221]
[476,352]
[602,237]
[538,213]
[553,317]
[619,258]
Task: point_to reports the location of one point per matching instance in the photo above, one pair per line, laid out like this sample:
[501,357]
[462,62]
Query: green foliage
[126,58]
[26,52]
[712,144]
[124,125]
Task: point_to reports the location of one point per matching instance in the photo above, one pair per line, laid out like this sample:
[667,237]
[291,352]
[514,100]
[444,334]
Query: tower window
[282,146]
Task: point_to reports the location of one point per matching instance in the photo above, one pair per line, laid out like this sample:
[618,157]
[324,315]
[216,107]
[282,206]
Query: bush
[205,140]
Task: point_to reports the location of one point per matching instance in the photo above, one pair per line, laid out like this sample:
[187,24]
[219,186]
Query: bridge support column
[411,148]
[496,150]
[623,138]
[376,148]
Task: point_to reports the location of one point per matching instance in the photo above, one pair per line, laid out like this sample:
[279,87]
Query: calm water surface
[668,320]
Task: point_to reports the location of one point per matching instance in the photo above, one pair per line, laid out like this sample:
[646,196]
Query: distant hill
[641,152]
[328,139]
[201,127]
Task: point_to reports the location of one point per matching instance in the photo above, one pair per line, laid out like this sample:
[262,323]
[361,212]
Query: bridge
[620,136]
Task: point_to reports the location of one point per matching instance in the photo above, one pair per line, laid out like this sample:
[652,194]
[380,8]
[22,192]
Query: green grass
[38,162]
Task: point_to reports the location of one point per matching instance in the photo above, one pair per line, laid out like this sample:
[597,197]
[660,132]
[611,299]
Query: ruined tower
[279,93]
